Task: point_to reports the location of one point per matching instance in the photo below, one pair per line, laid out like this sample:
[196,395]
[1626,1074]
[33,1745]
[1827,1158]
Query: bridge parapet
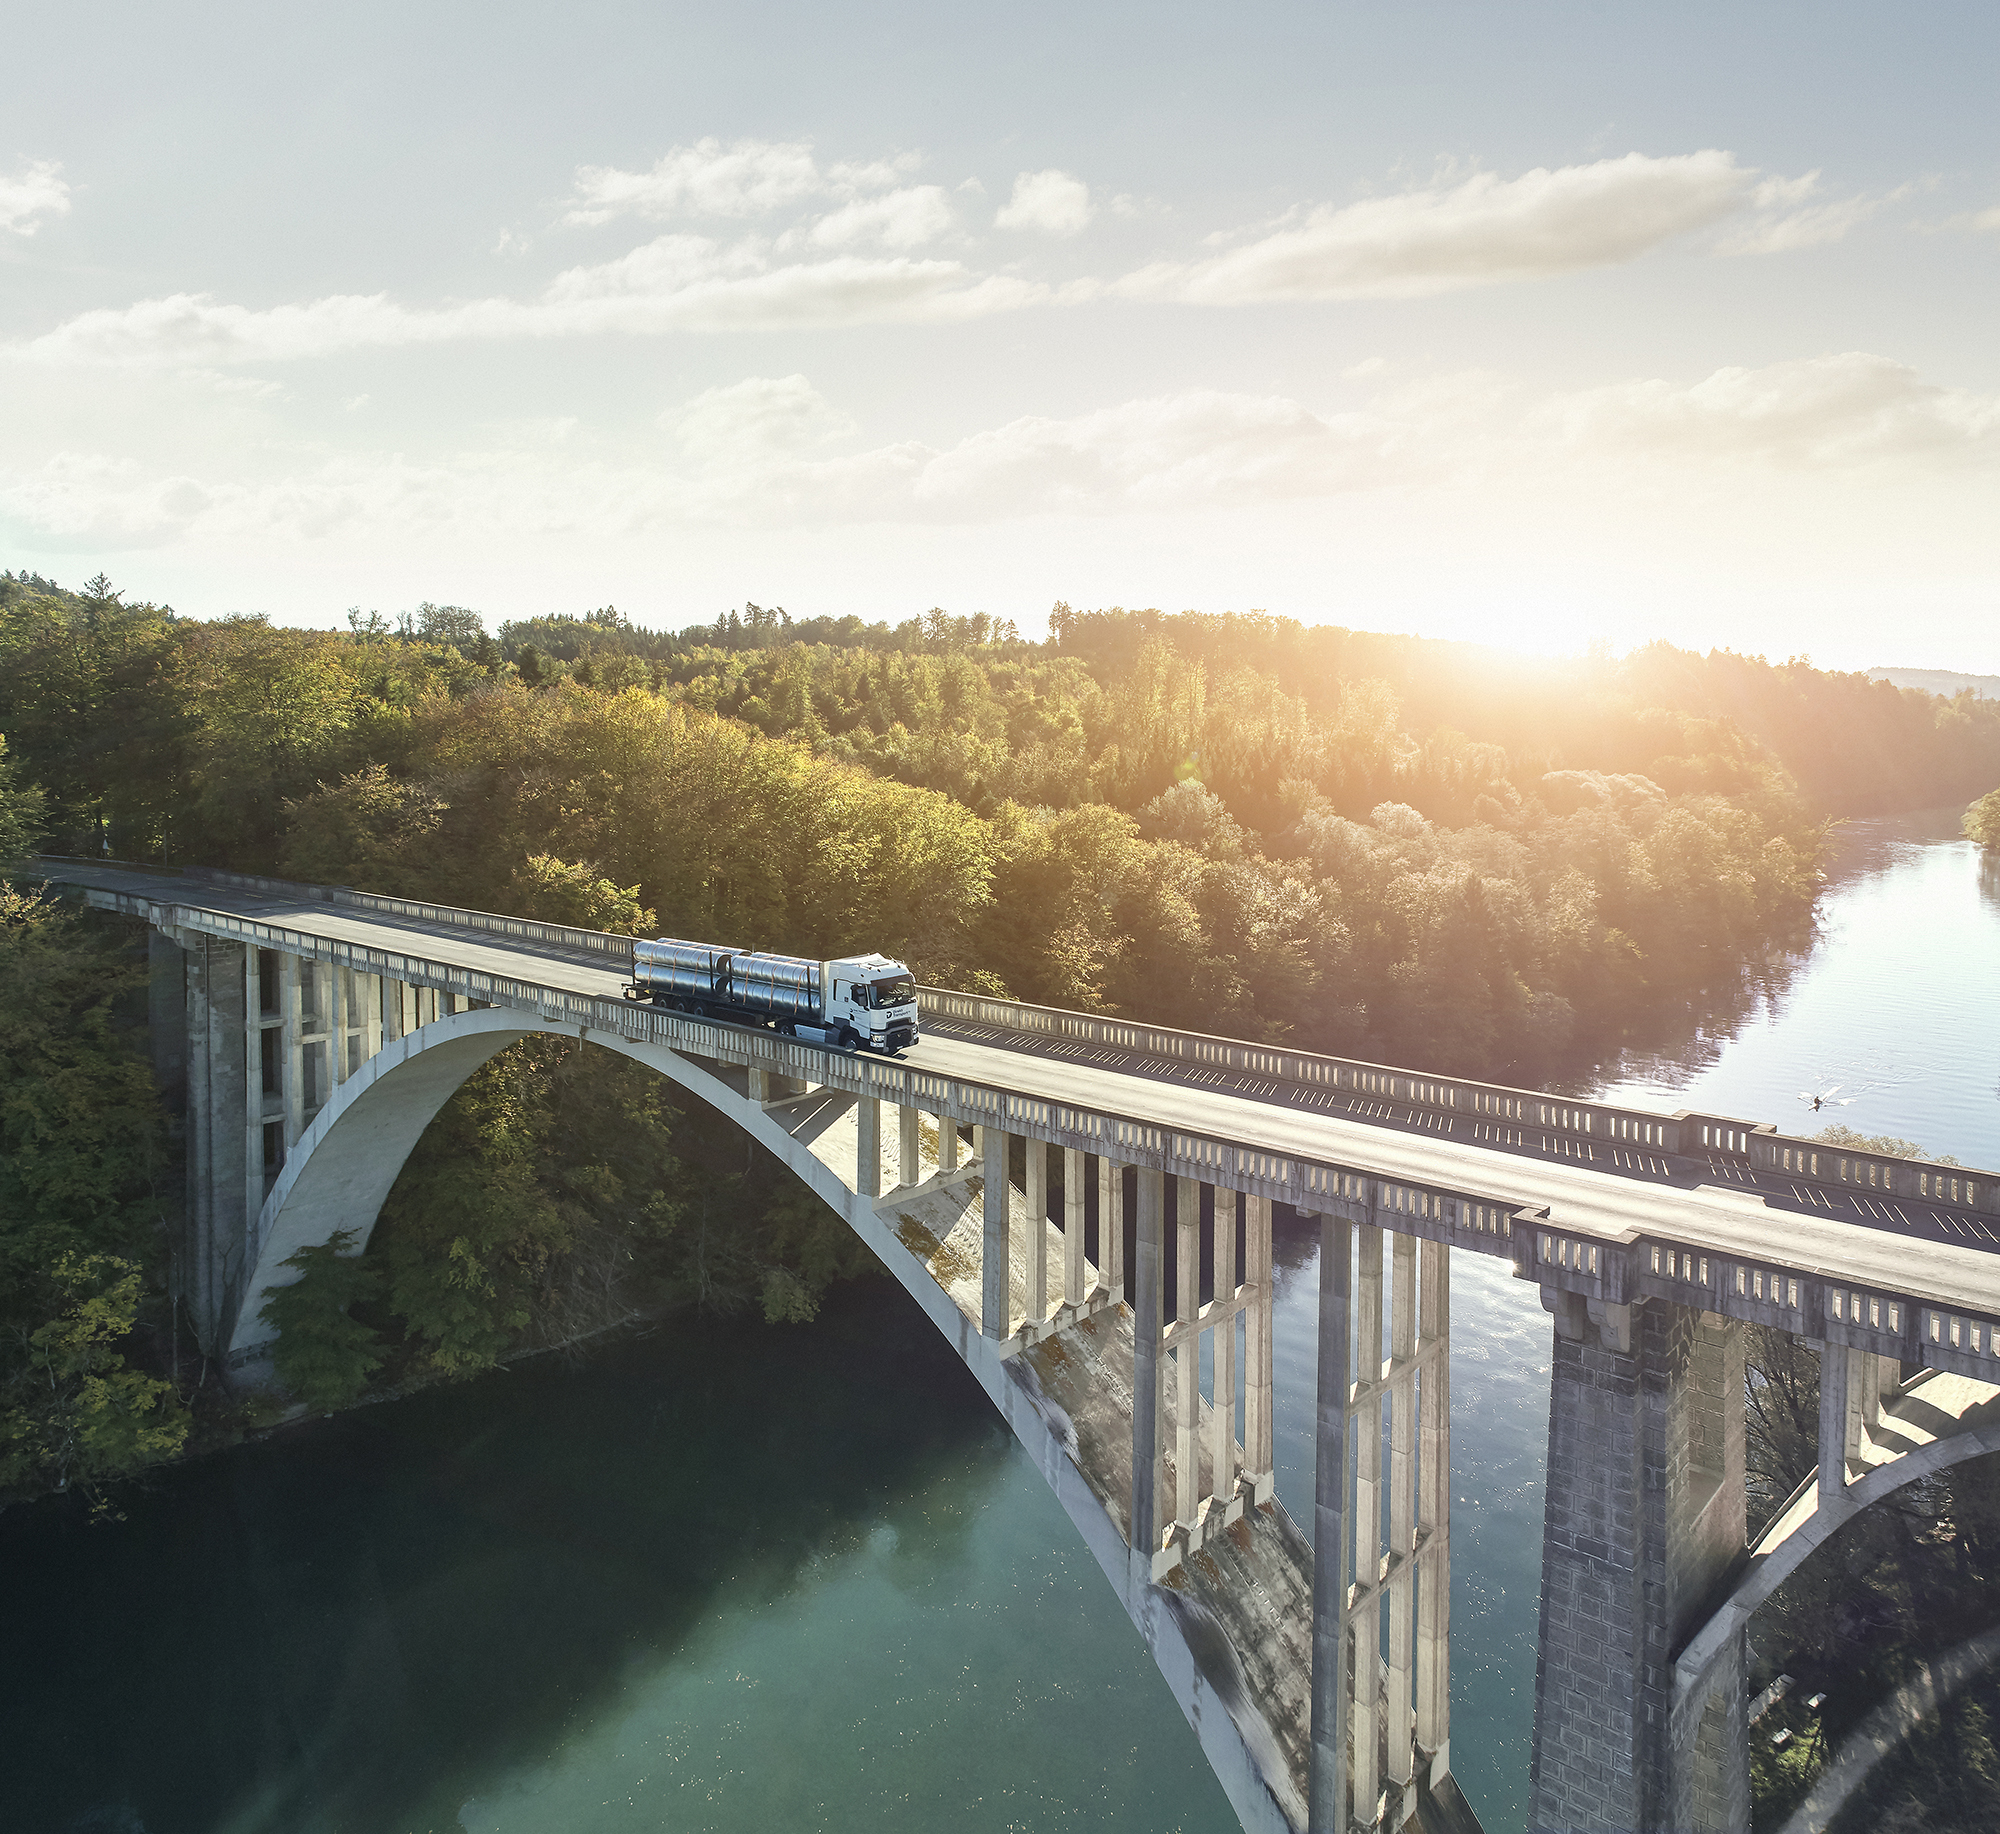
[1561,1125]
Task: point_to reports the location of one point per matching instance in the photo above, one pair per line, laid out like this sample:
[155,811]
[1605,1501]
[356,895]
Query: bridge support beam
[1327,1798]
[1074,1220]
[1644,1515]
[1257,1457]
[995,1300]
[868,1146]
[1149,1267]
[1433,1633]
[221,1015]
[1035,1187]
[1187,1358]
[909,1145]
[1111,1227]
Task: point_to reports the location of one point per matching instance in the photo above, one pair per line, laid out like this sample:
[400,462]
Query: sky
[1548,325]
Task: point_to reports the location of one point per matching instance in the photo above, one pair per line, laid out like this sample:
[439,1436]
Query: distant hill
[1941,681]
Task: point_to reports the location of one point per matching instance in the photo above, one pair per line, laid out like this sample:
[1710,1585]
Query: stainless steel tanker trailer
[858,1000]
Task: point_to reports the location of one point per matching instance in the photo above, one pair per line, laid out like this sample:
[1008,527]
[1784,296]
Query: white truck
[859,1000]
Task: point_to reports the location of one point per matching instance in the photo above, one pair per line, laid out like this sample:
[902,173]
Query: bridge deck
[1603,1199]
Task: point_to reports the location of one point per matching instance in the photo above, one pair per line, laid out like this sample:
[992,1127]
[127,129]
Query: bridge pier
[1644,1516]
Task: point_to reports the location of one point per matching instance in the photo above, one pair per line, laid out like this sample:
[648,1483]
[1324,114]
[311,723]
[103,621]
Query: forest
[1413,851]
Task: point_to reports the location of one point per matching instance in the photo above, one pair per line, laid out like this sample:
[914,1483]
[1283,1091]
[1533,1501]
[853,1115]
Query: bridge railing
[1493,1108]
[616,951]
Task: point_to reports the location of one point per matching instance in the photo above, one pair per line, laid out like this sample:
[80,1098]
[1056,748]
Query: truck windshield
[899,992]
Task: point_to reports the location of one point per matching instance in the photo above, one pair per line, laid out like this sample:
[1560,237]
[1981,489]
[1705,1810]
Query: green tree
[323,1354]
[1982,821]
[20,812]
[571,892]
[74,1412]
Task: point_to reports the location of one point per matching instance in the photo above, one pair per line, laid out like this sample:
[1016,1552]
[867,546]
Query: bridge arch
[340,1173]
[1963,1418]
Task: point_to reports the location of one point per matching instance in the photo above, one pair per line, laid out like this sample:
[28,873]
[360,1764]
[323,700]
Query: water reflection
[732,1577]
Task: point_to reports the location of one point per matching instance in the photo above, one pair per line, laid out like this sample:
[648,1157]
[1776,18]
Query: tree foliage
[72,1410]
[1982,821]
[324,1354]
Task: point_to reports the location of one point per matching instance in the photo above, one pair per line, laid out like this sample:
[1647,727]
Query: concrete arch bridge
[316,1030]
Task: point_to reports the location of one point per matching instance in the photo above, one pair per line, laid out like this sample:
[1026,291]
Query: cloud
[754,453]
[1482,230]
[753,421]
[1052,202]
[1849,410]
[674,283]
[1787,220]
[900,219]
[746,178]
[87,501]
[36,191]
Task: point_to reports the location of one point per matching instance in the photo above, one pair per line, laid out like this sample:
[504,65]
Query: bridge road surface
[1603,1202]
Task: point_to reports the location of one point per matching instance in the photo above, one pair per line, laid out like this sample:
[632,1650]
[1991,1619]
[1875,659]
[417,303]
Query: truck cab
[874,999]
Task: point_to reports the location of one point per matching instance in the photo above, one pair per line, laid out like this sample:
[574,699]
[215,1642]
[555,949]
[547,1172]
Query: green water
[736,1578]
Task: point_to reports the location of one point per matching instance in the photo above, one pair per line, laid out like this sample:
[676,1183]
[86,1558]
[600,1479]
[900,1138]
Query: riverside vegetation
[1373,845]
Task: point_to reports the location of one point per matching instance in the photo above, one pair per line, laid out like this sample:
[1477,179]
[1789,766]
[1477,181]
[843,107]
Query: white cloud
[1479,231]
[674,283]
[87,501]
[1786,219]
[36,191]
[1853,409]
[752,453]
[1052,202]
[746,178]
[755,420]
[900,219]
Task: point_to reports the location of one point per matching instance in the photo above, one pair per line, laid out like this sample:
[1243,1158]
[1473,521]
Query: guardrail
[1684,1134]
[601,943]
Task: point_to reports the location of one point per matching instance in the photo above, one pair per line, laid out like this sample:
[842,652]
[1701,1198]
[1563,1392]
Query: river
[729,1577]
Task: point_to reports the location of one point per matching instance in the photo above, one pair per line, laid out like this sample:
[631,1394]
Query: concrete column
[1187,1358]
[868,1146]
[1035,1187]
[253,1099]
[167,1018]
[1644,1514]
[1366,1614]
[218,1104]
[291,1052]
[947,1144]
[1147,1308]
[339,1022]
[1111,1226]
[1834,1366]
[1400,1710]
[1074,1290]
[1222,1416]
[392,1010]
[371,1015]
[1433,1678]
[909,1146]
[995,1301]
[759,1086]
[1257,1345]
[1327,1807]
